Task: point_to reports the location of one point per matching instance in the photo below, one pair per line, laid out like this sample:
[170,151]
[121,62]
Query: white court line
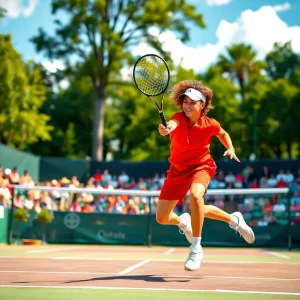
[169,251]
[278,254]
[165,276]
[152,259]
[134,266]
[172,260]
[146,289]
[49,272]
[53,250]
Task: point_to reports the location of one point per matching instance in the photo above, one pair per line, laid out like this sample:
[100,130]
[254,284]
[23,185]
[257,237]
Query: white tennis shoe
[186,229]
[193,261]
[243,229]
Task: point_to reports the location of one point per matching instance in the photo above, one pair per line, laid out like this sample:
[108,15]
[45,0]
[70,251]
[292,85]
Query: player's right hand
[163,130]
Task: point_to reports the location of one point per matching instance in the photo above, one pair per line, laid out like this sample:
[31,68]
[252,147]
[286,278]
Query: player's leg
[197,191]
[166,216]
[235,220]
[213,212]
[175,187]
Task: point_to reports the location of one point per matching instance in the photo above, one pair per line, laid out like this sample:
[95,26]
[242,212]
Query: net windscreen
[151,75]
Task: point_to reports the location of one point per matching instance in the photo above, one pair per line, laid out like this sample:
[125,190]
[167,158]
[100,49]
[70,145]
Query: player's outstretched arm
[225,139]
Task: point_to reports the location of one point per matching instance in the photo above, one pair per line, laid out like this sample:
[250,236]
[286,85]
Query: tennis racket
[151,76]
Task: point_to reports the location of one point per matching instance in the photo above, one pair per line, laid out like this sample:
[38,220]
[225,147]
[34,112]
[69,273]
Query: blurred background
[71,116]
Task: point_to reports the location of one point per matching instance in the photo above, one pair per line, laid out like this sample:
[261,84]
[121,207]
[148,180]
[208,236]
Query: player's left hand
[231,153]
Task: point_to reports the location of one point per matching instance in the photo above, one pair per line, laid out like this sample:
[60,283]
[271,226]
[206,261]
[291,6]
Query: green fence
[3,224]
[96,228]
[10,158]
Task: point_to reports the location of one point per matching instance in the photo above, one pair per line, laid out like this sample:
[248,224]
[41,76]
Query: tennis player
[192,167]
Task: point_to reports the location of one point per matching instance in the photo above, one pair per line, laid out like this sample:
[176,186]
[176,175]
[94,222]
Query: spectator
[132,208]
[278,207]
[268,207]
[230,178]
[221,180]
[123,178]
[19,201]
[114,182]
[281,184]
[55,194]
[29,201]
[272,181]
[289,177]
[262,222]
[263,183]
[296,198]
[98,177]
[74,182]
[254,184]
[75,206]
[238,184]
[13,176]
[26,179]
[251,177]
[106,177]
[64,195]
[253,222]
[280,176]
[248,211]
[45,200]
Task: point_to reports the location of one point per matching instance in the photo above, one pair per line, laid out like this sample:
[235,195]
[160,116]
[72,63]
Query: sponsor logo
[71,221]
[111,235]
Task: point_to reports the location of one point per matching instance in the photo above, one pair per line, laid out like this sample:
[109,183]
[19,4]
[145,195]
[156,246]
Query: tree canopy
[22,94]
[257,102]
[100,34]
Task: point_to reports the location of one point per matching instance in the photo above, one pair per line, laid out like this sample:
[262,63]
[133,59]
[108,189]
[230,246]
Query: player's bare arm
[225,139]
[171,126]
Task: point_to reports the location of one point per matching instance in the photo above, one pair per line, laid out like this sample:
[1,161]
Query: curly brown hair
[181,86]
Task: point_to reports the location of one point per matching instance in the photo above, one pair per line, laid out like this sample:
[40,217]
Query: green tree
[22,93]
[281,102]
[101,33]
[71,112]
[282,61]
[239,62]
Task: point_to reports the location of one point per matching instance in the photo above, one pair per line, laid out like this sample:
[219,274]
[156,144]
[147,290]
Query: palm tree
[239,63]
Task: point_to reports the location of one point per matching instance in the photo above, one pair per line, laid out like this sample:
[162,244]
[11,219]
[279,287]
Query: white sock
[196,242]
[183,222]
[234,221]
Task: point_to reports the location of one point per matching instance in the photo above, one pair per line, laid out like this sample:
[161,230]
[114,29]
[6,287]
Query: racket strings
[151,75]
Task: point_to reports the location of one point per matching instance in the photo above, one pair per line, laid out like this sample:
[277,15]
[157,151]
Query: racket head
[151,75]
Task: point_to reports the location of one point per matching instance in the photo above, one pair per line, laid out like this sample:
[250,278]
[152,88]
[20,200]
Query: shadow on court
[148,278]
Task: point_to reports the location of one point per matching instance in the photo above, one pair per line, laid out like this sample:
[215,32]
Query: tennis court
[127,272]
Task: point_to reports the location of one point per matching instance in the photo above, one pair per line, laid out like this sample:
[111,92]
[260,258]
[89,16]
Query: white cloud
[16,8]
[217,2]
[282,7]
[261,29]
[53,66]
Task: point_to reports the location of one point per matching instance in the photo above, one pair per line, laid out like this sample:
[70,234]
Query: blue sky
[258,22]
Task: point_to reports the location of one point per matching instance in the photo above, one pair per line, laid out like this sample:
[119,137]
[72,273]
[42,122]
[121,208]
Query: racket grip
[163,120]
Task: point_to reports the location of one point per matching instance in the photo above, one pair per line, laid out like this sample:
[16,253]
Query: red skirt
[178,183]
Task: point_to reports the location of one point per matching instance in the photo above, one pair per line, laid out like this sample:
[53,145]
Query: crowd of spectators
[258,210]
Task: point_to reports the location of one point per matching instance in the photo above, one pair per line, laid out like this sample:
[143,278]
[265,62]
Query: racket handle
[163,120]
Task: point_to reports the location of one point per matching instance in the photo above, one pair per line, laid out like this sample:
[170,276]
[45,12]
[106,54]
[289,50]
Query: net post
[149,229]
[10,218]
[289,222]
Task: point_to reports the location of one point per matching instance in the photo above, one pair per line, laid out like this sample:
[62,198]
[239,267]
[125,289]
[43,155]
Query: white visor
[193,94]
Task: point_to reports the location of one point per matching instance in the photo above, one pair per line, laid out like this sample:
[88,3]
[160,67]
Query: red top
[190,144]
